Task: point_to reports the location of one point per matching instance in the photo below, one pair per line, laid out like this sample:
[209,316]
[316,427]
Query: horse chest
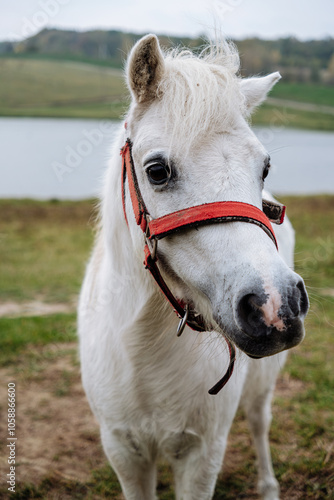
[145,443]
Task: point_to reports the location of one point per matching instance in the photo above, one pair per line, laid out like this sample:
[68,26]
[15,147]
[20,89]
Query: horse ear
[256,89]
[145,68]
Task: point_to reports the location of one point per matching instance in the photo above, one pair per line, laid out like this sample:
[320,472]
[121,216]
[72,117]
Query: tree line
[302,61]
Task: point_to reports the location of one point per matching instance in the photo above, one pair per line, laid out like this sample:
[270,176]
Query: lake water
[65,159]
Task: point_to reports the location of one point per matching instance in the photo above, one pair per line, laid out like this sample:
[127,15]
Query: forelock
[200,93]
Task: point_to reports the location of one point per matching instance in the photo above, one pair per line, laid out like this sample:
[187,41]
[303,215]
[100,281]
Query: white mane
[200,92]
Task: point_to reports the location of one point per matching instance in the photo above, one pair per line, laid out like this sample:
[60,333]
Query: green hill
[60,88]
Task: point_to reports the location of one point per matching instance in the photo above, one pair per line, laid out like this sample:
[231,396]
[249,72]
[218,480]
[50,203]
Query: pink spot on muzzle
[270,309]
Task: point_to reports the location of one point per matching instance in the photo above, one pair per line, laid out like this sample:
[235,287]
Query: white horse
[148,388]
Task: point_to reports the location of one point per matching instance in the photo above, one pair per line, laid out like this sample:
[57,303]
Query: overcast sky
[304,19]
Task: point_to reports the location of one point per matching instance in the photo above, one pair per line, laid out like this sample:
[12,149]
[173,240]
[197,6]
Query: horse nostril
[250,315]
[303,300]
[293,309]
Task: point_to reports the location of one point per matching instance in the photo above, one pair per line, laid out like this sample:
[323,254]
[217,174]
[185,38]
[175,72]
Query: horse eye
[266,171]
[158,173]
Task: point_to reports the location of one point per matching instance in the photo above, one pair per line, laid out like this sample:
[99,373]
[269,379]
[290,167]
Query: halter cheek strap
[176,222]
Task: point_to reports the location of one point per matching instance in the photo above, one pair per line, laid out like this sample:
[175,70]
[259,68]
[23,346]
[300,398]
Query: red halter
[193,217]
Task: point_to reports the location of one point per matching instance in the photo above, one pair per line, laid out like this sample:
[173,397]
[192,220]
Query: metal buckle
[183,321]
[154,249]
[154,242]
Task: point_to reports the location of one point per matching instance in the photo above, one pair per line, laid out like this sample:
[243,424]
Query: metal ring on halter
[153,241]
[154,248]
[183,321]
[148,219]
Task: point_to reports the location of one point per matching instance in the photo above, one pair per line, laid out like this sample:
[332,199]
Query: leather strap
[141,215]
[208,213]
[223,381]
[138,203]
[195,322]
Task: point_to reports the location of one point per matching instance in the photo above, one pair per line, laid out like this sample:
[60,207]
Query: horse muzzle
[266,322]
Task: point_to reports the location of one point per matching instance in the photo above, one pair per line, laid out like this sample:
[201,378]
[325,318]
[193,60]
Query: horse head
[191,144]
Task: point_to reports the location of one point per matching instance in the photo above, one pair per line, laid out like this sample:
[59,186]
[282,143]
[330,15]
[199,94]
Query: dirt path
[57,434]
[303,106]
[12,309]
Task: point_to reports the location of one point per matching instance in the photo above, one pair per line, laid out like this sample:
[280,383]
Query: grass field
[55,88]
[60,89]
[44,247]
[277,116]
[35,261]
[304,92]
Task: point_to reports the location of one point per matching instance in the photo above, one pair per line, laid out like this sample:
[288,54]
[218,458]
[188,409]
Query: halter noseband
[193,217]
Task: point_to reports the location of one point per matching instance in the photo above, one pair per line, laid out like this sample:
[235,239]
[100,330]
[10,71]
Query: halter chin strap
[193,217]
